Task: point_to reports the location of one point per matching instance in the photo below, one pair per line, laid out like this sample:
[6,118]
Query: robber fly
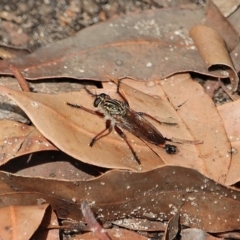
[120,116]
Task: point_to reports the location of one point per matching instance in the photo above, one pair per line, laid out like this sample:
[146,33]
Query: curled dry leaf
[21,221]
[157,194]
[216,20]
[146,45]
[230,115]
[18,139]
[215,53]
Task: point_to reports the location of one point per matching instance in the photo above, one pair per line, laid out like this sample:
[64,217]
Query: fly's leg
[140,113]
[170,148]
[123,136]
[101,134]
[108,122]
[120,94]
[89,92]
[118,87]
[85,109]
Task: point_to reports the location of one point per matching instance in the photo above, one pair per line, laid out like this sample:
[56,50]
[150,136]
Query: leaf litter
[167,188]
[52,113]
[146,45]
[18,218]
[19,139]
[178,97]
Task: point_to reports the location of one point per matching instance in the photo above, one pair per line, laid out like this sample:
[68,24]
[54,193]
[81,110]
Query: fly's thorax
[110,107]
[113,107]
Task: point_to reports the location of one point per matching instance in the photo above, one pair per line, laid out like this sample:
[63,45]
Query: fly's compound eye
[97,101]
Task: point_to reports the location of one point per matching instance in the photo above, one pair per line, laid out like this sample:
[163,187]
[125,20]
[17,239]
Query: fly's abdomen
[141,128]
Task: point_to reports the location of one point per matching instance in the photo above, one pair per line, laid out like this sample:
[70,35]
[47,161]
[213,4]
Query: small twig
[227,91]
[21,80]
[96,228]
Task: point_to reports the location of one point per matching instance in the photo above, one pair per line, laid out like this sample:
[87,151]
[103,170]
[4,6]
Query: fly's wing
[140,127]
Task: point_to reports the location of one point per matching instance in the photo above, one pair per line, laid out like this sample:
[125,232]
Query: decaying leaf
[18,139]
[147,45]
[160,193]
[216,20]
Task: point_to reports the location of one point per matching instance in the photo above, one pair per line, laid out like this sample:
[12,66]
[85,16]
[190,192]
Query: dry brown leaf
[11,52]
[47,230]
[198,112]
[20,222]
[138,224]
[194,110]
[227,7]
[157,194]
[50,164]
[230,115]
[72,129]
[147,45]
[115,234]
[215,19]
[193,233]
[235,54]
[229,235]
[64,208]
[18,139]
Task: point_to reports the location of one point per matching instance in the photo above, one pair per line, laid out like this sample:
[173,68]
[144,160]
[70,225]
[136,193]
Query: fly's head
[100,99]
[111,107]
